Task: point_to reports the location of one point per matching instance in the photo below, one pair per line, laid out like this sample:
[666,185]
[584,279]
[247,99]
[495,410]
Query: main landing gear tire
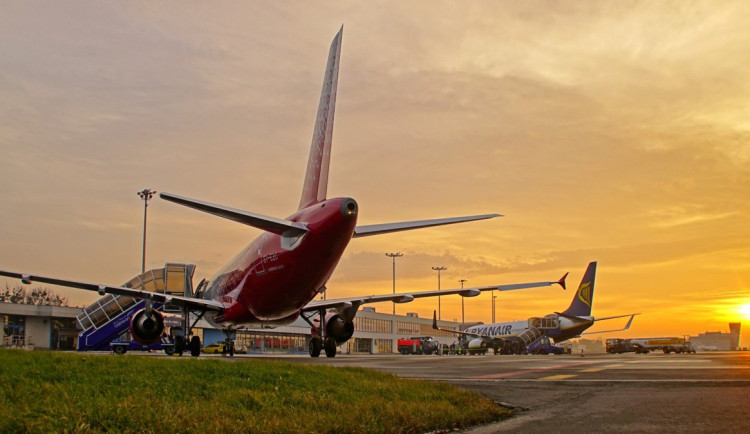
[195,346]
[315,347]
[179,345]
[330,347]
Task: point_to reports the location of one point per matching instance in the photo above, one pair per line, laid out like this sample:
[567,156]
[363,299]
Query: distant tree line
[38,296]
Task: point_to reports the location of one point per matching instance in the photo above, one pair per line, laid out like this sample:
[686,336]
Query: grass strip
[77,392]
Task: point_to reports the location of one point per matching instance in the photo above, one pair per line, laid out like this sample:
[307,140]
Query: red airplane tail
[316,178]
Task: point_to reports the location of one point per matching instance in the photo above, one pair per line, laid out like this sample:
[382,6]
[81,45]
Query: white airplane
[276,278]
[513,337]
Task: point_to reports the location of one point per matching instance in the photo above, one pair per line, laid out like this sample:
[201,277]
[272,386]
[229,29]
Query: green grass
[67,392]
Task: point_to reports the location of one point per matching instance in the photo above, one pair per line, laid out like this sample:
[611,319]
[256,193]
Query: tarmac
[704,392]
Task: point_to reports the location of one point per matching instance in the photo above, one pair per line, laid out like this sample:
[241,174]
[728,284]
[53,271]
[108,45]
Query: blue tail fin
[316,178]
[581,304]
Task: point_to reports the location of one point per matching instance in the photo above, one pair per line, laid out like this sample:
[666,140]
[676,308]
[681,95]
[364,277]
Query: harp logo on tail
[584,293]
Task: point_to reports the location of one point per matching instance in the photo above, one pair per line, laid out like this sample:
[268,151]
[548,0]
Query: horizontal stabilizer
[384,228]
[270,224]
[627,326]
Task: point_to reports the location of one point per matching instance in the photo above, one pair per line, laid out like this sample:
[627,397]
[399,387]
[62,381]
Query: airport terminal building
[57,328]
[718,341]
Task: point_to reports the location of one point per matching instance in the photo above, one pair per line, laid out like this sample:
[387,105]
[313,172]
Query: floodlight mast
[146,194]
[439,269]
[394,256]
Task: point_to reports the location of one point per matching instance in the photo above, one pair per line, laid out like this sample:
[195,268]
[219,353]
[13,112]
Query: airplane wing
[270,224]
[457,332]
[384,228]
[339,303]
[198,303]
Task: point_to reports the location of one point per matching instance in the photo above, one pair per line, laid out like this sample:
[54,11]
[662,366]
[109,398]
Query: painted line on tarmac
[557,377]
[532,371]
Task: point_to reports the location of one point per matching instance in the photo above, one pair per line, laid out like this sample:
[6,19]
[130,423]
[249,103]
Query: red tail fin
[316,178]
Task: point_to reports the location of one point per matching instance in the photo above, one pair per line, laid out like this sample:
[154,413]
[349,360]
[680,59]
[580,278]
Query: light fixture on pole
[463,320]
[146,195]
[394,256]
[439,269]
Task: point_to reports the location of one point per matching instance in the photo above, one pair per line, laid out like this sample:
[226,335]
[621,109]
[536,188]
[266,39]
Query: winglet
[561,282]
[434,320]
[627,326]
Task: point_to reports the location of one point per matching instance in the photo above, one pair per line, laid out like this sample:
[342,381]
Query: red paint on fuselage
[267,284]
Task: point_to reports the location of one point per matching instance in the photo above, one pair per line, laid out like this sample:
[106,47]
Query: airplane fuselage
[271,279]
[565,329]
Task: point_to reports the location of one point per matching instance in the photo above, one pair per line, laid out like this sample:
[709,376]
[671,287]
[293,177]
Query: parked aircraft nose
[349,207]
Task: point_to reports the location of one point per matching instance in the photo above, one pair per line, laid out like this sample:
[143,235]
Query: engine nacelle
[147,330]
[338,328]
[477,344]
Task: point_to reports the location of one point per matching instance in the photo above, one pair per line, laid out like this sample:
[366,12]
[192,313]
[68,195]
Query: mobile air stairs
[106,322]
[538,329]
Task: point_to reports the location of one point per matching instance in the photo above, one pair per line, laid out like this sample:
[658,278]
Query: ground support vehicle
[619,346]
[646,345]
[418,345]
[119,347]
[544,346]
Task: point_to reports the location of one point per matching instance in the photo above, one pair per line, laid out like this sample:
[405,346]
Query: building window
[383,346]
[14,331]
[64,334]
[407,328]
[372,325]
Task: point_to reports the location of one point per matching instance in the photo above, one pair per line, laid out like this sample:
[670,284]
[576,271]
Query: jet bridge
[108,318]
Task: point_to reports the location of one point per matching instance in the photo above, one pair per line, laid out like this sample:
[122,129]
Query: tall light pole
[146,195]
[394,256]
[439,269]
[463,320]
[493,306]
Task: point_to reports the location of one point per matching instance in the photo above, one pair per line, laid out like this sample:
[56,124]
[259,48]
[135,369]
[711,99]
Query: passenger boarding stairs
[530,335]
[537,329]
[109,317]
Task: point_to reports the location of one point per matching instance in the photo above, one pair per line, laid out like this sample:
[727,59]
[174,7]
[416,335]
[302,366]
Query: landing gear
[320,340]
[315,347]
[195,346]
[179,345]
[330,347]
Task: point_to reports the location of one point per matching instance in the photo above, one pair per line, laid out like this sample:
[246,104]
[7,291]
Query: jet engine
[338,328]
[478,344]
[147,330]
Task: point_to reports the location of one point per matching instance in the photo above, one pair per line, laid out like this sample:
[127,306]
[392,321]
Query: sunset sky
[616,132]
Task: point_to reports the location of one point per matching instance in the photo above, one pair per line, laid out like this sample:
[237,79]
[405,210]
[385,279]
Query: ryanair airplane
[515,336]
